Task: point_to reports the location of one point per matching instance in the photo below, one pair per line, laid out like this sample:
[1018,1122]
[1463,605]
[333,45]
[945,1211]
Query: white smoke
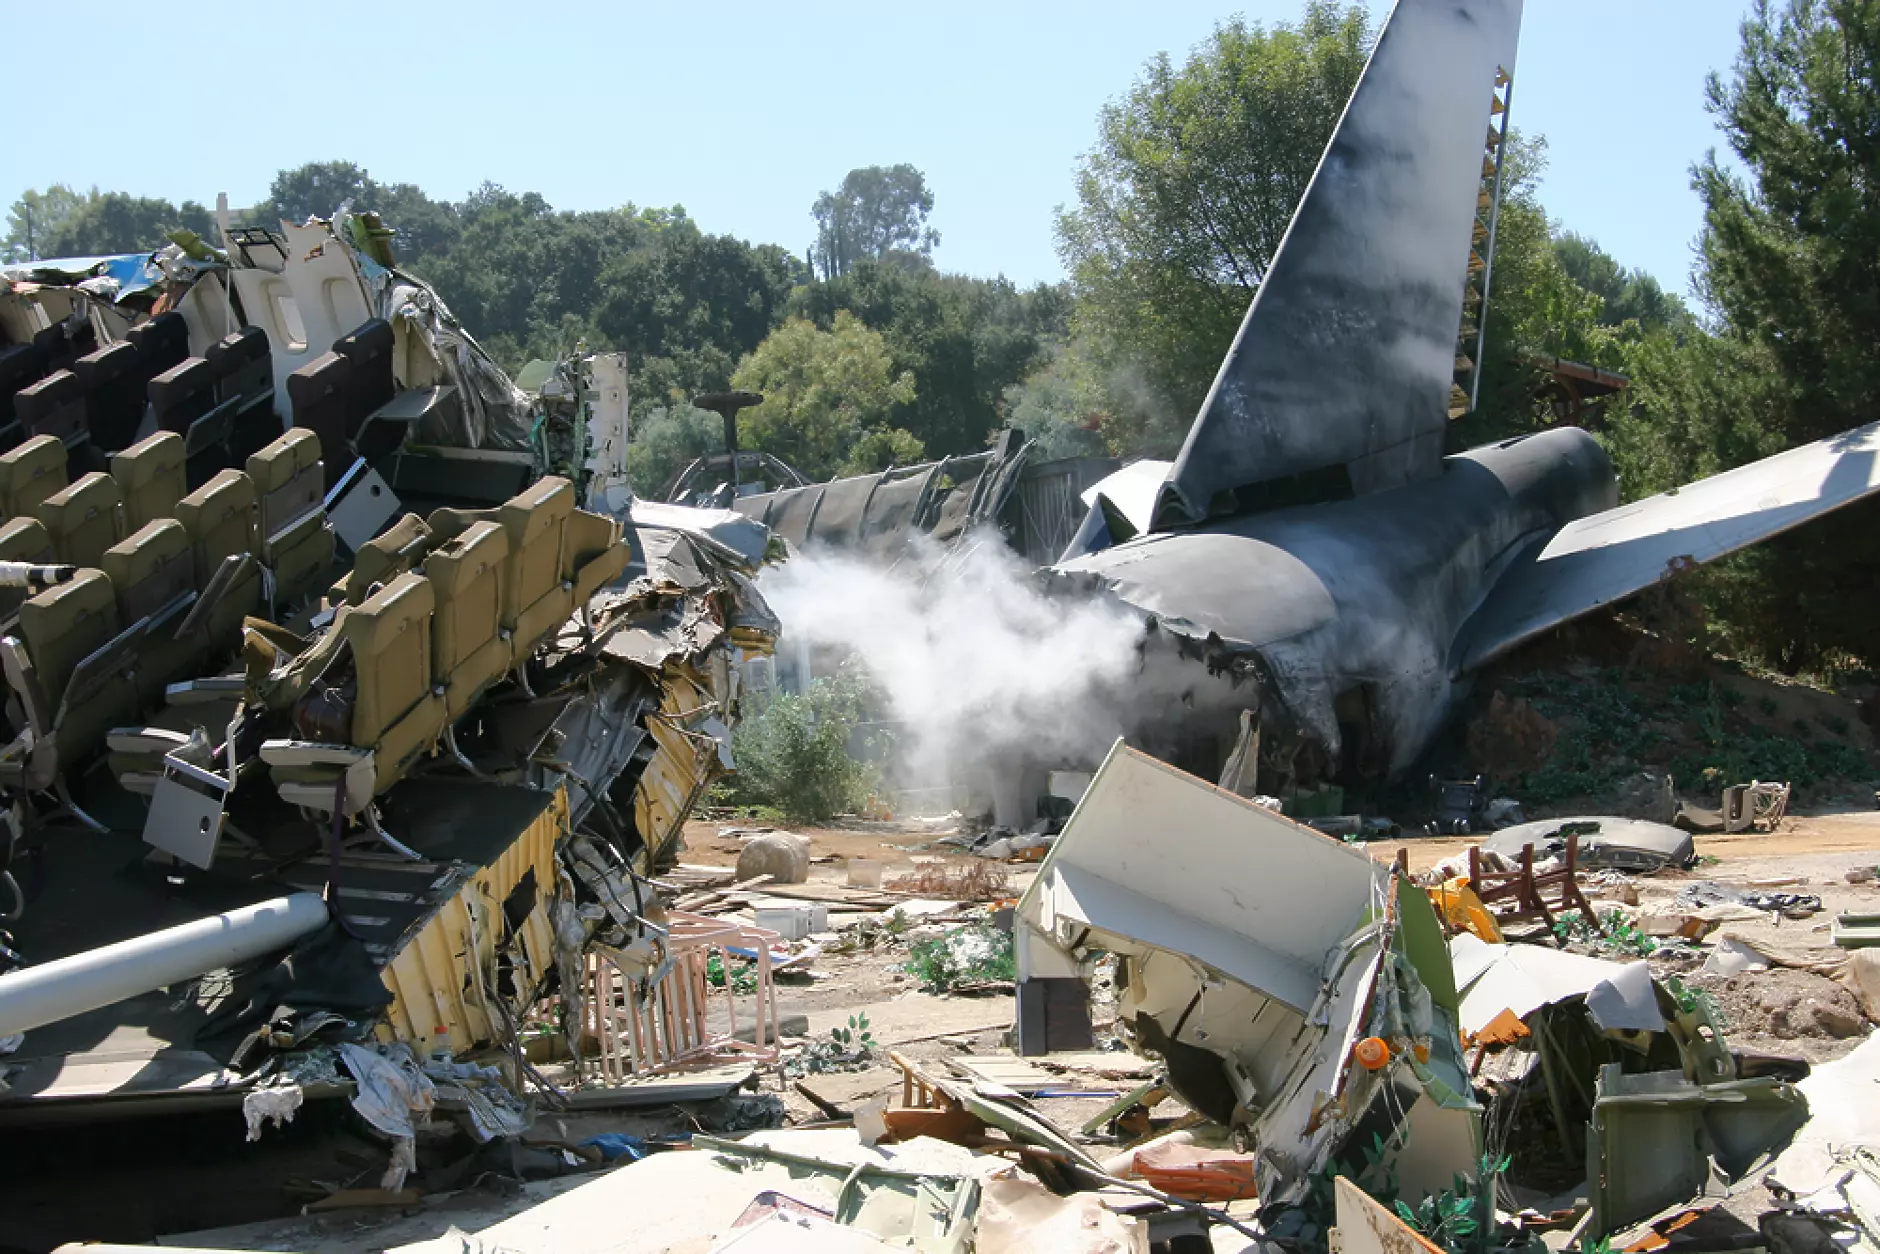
[975,661]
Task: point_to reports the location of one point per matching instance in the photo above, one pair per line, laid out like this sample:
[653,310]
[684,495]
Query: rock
[783,856]
[1861,874]
[1862,977]
[787,1025]
[1834,1020]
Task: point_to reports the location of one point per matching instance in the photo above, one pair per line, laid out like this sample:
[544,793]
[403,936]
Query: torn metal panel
[1367,1227]
[1520,979]
[1653,1139]
[1255,954]
[1627,844]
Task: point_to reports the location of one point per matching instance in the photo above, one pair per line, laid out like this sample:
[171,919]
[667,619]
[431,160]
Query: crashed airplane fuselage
[1311,535]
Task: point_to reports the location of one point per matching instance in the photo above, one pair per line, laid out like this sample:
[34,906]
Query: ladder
[1467,382]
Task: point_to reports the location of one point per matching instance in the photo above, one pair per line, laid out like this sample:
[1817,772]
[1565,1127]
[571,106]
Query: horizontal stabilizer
[1604,557]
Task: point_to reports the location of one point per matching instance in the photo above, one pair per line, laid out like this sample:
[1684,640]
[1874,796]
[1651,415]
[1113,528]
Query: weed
[1620,937]
[743,978]
[1461,1219]
[977,953]
[849,1048]
[971,879]
[794,754]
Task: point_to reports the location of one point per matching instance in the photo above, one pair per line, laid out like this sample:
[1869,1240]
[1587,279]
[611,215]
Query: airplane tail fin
[1341,378]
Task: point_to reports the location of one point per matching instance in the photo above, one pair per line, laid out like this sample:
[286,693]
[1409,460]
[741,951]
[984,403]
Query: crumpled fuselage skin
[1367,592]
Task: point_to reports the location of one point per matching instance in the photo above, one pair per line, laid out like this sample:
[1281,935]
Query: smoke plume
[975,661]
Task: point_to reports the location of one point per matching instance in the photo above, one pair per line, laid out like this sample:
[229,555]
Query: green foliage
[849,1048]
[976,953]
[823,392]
[59,222]
[1788,267]
[743,978]
[964,341]
[1610,725]
[1184,198]
[37,217]
[1461,1218]
[881,449]
[878,213]
[1620,937]
[794,753]
[664,441]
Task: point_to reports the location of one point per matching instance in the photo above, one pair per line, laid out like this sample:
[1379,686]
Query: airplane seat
[536,598]
[22,540]
[71,685]
[83,519]
[317,391]
[296,540]
[183,394]
[219,517]
[244,373]
[54,406]
[154,574]
[161,343]
[397,713]
[114,385]
[58,348]
[469,647]
[368,348]
[397,549]
[20,366]
[29,474]
[243,364]
[596,554]
[151,476]
[183,400]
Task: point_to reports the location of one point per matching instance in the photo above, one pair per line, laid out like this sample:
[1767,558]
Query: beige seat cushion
[83,519]
[151,475]
[470,649]
[288,479]
[31,473]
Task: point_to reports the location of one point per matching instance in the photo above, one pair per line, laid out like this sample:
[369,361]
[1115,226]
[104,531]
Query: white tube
[34,996]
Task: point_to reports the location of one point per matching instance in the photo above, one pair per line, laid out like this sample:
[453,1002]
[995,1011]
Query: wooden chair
[1517,892]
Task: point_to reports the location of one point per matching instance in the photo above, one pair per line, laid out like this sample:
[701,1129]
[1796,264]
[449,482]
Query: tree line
[871,355]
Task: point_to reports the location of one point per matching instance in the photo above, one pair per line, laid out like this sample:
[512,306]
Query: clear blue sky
[743,111]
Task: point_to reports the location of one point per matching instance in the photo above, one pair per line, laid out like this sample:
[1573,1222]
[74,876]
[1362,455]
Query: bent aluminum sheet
[1156,856]
[1523,978]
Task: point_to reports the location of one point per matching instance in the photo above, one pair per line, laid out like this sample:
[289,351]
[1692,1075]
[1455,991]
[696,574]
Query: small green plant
[1621,936]
[743,979]
[849,1048]
[977,953]
[1693,1001]
[1461,1219]
[794,755]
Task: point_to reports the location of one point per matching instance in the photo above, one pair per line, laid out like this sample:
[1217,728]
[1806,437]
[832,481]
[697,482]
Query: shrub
[794,753]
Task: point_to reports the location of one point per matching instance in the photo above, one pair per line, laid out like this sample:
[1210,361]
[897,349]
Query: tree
[823,391]
[1185,197]
[113,222]
[1790,266]
[963,340]
[665,441]
[36,217]
[878,212]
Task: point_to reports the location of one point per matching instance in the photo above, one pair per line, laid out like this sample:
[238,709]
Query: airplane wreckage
[337,662]
[332,658]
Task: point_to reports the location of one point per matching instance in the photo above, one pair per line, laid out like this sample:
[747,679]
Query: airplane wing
[1342,368]
[1604,557]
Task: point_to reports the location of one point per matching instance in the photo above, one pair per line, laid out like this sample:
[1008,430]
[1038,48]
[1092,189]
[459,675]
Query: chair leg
[457,754]
[71,807]
[403,850]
